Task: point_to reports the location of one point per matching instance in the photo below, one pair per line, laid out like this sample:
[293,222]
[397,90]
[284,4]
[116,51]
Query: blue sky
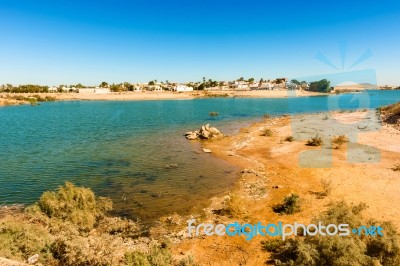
[66,42]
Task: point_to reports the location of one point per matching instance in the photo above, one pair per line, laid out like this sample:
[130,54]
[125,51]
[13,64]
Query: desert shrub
[117,226]
[289,138]
[266,132]
[159,255]
[315,141]
[75,204]
[338,250]
[391,113]
[88,250]
[267,116]
[20,239]
[187,261]
[290,205]
[396,167]
[326,187]
[136,258]
[213,113]
[338,141]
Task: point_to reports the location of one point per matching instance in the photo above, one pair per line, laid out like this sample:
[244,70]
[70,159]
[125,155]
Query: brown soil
[274,172]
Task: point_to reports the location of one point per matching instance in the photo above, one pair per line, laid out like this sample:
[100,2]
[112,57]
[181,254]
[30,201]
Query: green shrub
[20,239]
[88,250]
[290,205]
[75,204]
[315,141]
[136,258]
[159,255]
[338,250]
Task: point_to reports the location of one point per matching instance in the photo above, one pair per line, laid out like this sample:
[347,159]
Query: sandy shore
[274,170]
[161,95]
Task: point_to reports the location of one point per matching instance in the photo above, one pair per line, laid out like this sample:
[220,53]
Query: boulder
[206,150]
[192,136]
[205,132]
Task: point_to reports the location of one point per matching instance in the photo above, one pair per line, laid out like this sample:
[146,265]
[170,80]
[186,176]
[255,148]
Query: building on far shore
[181,88]
[52,89]
[94,90]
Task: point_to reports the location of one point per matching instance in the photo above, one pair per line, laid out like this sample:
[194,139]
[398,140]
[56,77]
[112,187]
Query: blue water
[134,151]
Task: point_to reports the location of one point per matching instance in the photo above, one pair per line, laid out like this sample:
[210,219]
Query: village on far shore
[240,84]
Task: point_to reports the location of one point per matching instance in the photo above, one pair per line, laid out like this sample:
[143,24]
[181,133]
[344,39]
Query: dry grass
[266,132]
[391,114]
[315,141]
[289,139]
[396,167]
[338,141]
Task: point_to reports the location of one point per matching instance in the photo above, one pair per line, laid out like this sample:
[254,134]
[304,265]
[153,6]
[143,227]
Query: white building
[241,85]
[183,88]
[52,89]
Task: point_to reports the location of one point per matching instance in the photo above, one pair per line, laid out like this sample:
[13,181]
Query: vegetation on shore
[353,249]
[71,226]
[391,114]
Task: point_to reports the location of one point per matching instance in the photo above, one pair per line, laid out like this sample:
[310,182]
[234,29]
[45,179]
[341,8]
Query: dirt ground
[273,169]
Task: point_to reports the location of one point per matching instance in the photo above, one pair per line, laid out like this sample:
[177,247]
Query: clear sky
[66,42]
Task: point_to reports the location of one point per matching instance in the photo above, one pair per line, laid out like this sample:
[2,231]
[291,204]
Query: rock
[214,131]
[192,136]
[277,186]
[33,259]
[205,132]
[206,150]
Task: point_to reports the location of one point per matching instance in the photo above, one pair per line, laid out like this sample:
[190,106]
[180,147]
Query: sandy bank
[157,95]
[276,170]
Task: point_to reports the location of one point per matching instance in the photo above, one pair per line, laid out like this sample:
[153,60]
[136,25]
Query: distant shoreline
[7,99]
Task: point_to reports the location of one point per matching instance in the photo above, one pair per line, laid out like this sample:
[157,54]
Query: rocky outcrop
[205,132]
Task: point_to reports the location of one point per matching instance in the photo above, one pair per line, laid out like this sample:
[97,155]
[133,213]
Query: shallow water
[134,151]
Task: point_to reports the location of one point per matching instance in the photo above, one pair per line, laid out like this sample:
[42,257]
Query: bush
[290,205]
[326,187]
[338,141]
[20,239]
[338,250]
[396,167]
[289,138]
[266,132]
[315,141]
[77,205]
[88,250]
[213,113]
[158,256]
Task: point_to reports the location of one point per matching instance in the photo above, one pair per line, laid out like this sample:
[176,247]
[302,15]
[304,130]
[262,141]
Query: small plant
[315,141]
[290,205]
[326,187]
[266,132]
[338,141]
[213,113]
[326,117]
[267,116]
[396,167]
[289,138]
